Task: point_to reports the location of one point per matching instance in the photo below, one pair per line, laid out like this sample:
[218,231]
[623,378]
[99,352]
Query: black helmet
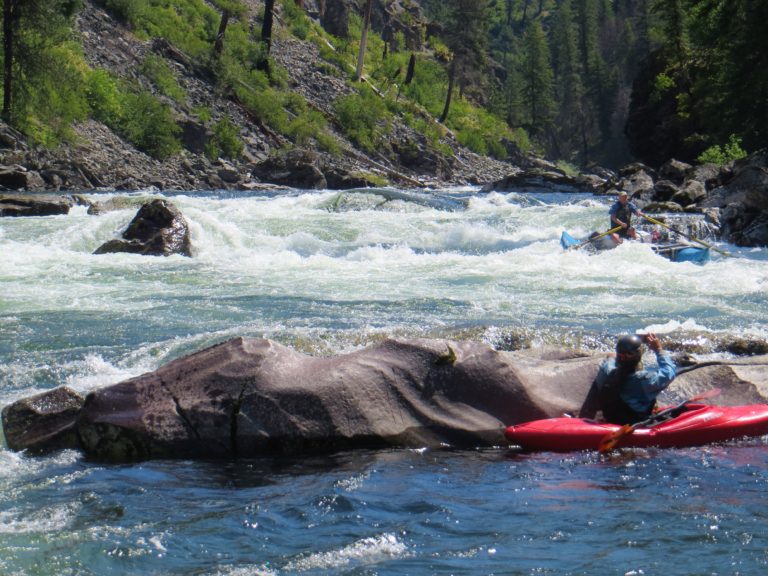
[629,345]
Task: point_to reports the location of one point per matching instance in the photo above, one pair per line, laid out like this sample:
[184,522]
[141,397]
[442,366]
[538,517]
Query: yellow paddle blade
[611,440]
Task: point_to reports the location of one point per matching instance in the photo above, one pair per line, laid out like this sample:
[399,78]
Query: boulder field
[253,397]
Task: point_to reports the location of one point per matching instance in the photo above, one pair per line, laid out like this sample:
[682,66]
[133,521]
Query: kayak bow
[698,424]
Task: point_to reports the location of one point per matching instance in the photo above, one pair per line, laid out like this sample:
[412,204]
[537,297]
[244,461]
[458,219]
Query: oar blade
[612,440]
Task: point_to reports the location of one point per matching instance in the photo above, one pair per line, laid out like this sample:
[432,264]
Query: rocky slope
[98,158]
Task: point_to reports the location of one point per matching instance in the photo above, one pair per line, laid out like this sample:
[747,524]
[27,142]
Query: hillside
[99,158]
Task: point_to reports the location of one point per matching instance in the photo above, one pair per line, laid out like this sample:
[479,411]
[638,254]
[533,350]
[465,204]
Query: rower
[621,215]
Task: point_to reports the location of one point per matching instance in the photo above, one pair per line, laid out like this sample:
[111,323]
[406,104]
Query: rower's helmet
[629,348]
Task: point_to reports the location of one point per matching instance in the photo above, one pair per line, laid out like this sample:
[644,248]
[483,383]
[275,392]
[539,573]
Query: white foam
[44,519]
[364,552]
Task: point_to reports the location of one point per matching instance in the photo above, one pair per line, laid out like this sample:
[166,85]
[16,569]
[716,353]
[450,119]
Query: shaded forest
[610,80]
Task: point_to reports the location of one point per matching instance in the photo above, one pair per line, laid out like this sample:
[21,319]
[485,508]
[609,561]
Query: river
[329,272]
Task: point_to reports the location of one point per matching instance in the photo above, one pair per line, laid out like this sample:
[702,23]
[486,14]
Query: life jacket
[624,213]
[614,409]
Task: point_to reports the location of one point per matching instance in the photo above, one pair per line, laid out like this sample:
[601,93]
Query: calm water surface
[327,273]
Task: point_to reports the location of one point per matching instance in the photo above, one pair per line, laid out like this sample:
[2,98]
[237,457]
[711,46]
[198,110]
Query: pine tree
[537,81]
[31,30]
[467,38]
[572,131]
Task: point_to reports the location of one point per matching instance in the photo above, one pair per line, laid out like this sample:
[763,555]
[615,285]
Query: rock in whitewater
[34,205]
[158,229]
[248,397]
[44,422]
[253,397]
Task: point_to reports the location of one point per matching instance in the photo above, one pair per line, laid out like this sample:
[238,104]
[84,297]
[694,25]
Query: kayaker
[623,390]
[621,215]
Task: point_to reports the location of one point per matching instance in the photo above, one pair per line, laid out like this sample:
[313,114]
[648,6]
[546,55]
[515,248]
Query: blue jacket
[641,388]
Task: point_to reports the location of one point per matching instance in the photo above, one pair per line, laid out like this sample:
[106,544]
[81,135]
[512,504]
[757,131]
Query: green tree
[229,9]
[732,90]
[38,61]
[363,39]
[572,126]
[466,28]
[537,81]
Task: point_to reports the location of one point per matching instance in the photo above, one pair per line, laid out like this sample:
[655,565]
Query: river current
[329,272]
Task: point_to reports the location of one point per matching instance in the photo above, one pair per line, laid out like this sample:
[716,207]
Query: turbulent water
[329,272]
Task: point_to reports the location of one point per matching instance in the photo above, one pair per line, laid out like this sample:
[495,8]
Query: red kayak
[698,424]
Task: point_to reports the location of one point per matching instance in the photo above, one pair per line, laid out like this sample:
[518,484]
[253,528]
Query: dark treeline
[606,80]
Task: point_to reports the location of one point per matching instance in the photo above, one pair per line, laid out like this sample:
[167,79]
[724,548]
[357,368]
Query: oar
[580,244]
[611,440]
[660,223]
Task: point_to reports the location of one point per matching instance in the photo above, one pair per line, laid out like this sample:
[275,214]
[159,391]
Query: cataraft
[687,424]
[664,240]
[674,251]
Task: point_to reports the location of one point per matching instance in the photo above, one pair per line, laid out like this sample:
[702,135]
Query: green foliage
[538,78]
[105,97]
[226,141]
[149,125]
[364,118]
[203,113]
[162,76]
[662,83]
[127,11]
[47,73]
[568,168]
[133,113]
[432,131]
[295,19]
[720,155]
[190,25]
[479,130]
[305,126]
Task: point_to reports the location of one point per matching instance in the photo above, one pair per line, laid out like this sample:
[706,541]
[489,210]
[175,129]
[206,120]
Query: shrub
[720,155]
[163,76]
[150,126]
[51,97]
[105,98]
[364,118]
[225,142]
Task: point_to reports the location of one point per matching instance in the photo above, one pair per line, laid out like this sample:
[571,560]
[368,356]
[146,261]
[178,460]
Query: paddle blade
[611,440]
[705,395]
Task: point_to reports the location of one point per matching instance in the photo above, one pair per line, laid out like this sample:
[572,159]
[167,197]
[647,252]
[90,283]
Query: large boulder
[158,229]
[743,202]
[250,397]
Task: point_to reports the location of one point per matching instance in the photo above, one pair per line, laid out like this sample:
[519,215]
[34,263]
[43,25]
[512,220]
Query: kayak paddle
[593,238]
[660,223]
[611,440]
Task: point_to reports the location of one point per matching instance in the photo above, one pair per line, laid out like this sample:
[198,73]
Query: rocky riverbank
[97,158]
